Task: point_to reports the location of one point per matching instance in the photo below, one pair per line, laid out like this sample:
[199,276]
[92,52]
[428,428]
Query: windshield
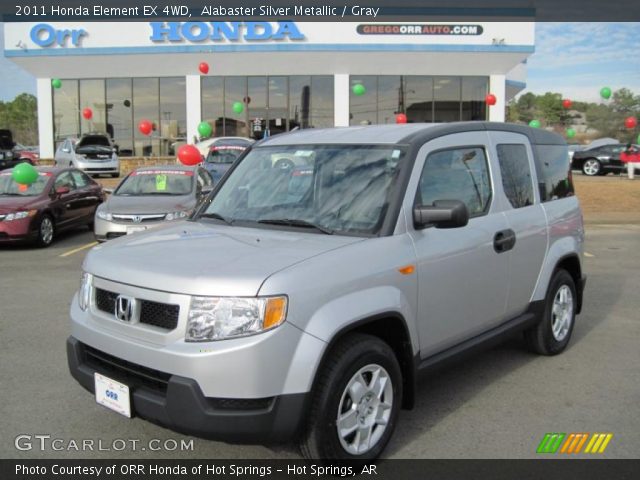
[224,154]
[331,188]
[156,182]
[8,187]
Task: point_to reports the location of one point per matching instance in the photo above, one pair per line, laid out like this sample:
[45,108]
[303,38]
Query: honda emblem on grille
[124,308]
[137,219]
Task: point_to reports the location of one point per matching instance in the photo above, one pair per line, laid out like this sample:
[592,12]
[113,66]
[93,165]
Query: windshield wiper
[216,216]
[296,222]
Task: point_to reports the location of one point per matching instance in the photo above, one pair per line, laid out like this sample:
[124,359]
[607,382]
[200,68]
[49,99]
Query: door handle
[504,240]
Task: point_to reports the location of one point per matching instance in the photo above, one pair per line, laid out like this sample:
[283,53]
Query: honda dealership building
[284,74]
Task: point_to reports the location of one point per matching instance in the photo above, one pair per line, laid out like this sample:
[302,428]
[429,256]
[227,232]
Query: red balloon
[87,113]
[630,122]
[203,67]
[401,118]
[189,155]
[490,99]
[566,103]
[145,127]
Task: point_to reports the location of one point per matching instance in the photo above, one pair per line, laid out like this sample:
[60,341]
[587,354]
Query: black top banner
[328,10]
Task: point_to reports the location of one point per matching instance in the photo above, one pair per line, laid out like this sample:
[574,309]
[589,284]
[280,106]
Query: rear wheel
[46,231]
[591,167]
[551,336]
[356,401]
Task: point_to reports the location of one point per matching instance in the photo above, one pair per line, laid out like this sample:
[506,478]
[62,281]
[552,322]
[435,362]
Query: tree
[21,117]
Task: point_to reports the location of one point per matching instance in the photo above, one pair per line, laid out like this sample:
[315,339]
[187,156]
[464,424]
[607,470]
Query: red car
[61,198]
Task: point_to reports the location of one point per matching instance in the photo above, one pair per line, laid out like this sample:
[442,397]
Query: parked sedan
[61,198]
[94,153]
[151,196]
[223,153]
[599,160]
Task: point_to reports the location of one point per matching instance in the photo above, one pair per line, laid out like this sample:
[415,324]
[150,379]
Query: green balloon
[534,124]
[358,89]
[605,92]
[571,133]
[24,173]
[238,107]
[204,129]
[56,83]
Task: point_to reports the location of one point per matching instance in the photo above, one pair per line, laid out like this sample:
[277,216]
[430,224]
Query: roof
[404,133]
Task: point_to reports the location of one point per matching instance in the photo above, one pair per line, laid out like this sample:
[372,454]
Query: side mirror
[442,214]
[62,190]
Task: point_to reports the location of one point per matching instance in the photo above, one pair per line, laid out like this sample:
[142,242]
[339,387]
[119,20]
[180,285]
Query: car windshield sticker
[163,172]
[304,153]
[161,182]
[228,147]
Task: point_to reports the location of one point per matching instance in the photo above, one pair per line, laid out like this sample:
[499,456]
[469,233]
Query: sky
[574,59]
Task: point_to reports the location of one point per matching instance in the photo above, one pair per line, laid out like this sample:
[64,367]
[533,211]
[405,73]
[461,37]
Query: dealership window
[146,106]
[212,91]
[92,96]
[173,114]
[421,98]
[66,116]
[474,91]
[278,104]
[446,99]
[300,101]
[516,174]
[417,98]
[235,90]
[322,101]
[120,114]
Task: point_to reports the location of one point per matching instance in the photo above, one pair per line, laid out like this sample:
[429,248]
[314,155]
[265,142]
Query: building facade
[264,78]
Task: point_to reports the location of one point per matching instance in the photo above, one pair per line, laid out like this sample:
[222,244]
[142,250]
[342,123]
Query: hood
[10,204]
[6,140]
[206,259]
[148,204]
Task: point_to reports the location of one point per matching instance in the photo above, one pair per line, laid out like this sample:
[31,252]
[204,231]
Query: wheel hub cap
[562,313]
[364,409]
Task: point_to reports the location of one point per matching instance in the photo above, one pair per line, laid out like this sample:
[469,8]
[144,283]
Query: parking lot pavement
[495,405]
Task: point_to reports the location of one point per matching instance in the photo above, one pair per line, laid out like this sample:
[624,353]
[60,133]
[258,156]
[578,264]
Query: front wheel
[46,231]
[591,167]
[551,336]
[356,401]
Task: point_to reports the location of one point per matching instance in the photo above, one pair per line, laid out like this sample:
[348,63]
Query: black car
[600,160]
[8,158]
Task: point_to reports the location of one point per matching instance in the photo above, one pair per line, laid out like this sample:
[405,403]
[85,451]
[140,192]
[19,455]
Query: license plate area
[112,394]
[131,230]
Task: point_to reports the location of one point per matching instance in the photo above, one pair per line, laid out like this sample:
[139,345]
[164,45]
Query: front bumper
[99,166]
[108,229]
[17,231]
[178,403]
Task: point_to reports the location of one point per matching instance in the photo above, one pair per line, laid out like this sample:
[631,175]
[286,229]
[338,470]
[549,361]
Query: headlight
[104,215]
[20,215]
[218,318]
[80,156]
[176,215]
[84,294]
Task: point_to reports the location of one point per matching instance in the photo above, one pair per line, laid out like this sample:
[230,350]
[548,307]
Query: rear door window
[516,174]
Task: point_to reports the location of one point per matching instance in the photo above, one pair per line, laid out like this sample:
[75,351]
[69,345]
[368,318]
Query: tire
[591,167]
[552,334]
[46,231]
[353,361]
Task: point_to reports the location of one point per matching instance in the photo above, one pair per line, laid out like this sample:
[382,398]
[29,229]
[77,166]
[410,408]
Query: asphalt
[498,404]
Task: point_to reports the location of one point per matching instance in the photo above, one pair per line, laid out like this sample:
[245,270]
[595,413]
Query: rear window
[554,172]
[99,140]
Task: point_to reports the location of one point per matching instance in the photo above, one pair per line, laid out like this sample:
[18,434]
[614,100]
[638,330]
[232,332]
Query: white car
[204,146]
[94,153]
